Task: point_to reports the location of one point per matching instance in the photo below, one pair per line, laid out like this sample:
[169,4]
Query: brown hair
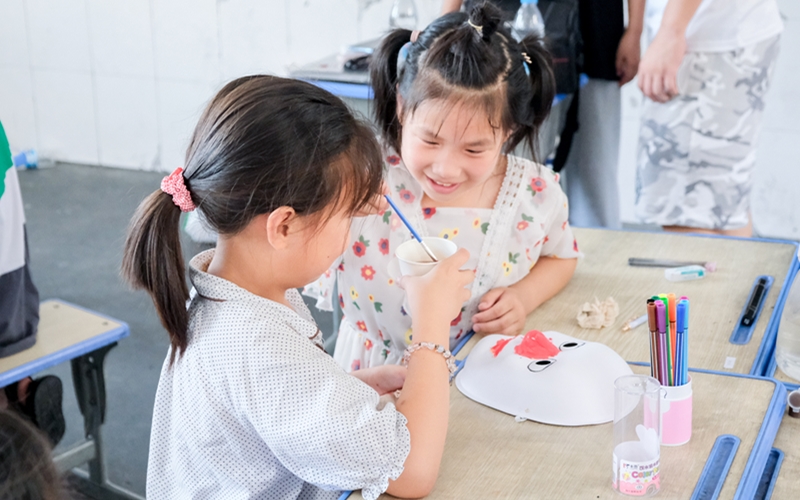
[26,465]
[452,60]
[262,142]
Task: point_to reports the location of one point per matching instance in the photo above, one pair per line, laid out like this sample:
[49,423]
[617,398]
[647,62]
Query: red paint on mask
[535,345]
[499,346]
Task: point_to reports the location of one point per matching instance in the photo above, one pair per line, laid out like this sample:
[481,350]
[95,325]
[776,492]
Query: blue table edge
[69,352]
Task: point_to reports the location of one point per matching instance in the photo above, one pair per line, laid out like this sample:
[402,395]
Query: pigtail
[535,64]
[153,261]
[384,77]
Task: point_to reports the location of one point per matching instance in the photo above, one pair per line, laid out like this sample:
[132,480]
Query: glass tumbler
[637,435]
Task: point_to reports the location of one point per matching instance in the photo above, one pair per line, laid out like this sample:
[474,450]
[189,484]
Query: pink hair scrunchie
[174,184]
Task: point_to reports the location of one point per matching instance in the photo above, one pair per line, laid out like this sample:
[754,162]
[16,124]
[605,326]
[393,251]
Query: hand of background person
[385,379]
[501,311]
[629,52]
[658,71]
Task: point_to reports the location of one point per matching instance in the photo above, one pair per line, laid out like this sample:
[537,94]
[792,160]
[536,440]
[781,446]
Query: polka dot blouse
[254,408]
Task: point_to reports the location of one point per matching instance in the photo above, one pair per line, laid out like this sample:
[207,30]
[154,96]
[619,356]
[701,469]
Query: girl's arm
[434,300]
[504,309]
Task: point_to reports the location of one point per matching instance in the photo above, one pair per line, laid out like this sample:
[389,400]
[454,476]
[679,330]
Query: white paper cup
[413,259]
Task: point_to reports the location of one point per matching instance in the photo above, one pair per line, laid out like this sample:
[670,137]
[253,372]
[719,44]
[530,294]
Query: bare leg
[745,232]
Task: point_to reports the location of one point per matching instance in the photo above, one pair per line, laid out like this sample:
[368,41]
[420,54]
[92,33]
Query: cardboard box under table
[716,300]
[489,455]
[71,333]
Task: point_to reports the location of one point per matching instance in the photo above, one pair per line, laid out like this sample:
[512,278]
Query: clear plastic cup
[637,435]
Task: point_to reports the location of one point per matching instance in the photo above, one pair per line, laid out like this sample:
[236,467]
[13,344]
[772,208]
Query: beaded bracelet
[448,356]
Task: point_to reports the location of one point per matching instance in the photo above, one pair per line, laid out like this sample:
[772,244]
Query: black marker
[755,302]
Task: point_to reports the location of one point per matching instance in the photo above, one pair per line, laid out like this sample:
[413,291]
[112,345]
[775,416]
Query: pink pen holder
[676,414]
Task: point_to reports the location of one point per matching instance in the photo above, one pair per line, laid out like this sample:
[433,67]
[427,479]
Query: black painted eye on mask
[541,365]
[568,346]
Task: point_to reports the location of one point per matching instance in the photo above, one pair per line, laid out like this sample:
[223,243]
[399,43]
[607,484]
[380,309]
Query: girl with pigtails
[452,103]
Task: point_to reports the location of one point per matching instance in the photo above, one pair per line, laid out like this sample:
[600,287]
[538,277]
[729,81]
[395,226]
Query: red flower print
[522,225]
[360,246]
[458,318]
[393,160]
[546,239]
[564,225]
[341,301]
[383,246]
[355,366]
[367,272]
[538,184]
[368,344]
[361,326]
[341,266]
[427,213]
[406,195]
[557,177]
[575,245]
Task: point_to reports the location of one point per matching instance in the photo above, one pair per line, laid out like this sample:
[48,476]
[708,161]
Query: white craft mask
[547,377]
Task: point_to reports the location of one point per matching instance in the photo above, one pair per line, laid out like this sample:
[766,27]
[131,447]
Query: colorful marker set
[668,319]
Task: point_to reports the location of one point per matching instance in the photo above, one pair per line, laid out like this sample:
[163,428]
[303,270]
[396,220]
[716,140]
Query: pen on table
[662,343]
[640,262]
[681,325]
[754,302]
[634,323]
[411,228]
[653,327]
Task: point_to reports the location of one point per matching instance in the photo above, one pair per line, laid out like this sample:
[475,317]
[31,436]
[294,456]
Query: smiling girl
[451,104]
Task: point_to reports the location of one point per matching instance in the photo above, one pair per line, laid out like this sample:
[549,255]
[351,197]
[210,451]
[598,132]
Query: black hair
[26,464]
[262,142]
[465,58]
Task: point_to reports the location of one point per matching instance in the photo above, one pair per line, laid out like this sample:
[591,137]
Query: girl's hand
[658,71]
[501,311]
[435,298]
[384,379]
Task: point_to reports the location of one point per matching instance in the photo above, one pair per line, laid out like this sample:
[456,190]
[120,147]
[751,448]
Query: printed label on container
[636,478]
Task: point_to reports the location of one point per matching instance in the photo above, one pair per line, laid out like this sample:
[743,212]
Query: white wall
[776,194]
[122,82]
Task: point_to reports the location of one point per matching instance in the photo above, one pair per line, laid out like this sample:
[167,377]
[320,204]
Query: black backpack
[562,26]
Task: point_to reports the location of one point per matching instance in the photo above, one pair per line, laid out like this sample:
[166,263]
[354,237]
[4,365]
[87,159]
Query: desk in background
[71,333]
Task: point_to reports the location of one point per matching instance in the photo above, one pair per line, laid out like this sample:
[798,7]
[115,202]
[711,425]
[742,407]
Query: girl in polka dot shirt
[452,102]
[248,404]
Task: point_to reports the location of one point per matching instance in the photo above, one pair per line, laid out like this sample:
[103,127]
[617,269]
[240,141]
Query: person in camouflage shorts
[696,152]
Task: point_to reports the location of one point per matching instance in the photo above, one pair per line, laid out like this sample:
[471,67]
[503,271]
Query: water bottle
[404,15]
[529,21]
[787,349]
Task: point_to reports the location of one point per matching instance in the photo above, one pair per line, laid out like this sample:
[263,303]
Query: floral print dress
[529,220]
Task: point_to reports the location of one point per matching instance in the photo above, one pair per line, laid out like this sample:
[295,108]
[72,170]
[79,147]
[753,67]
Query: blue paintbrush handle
[403,218]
